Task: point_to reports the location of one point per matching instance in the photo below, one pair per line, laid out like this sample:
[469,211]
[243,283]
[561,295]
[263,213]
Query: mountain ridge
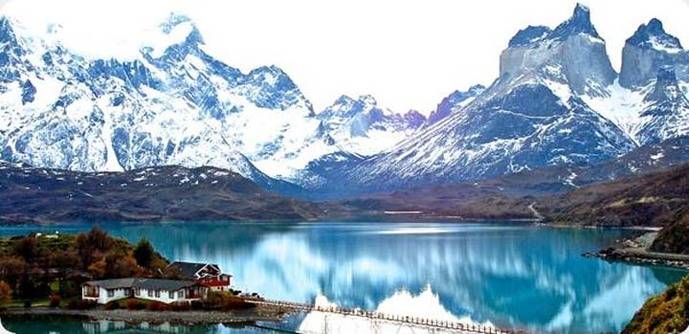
[557,101]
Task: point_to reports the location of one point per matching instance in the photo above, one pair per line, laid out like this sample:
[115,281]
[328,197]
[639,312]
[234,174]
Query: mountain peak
[173,20]
[529,35]
[666,87]
[178,38]
[455,99]
[344,99]
[180,28]
[414,119]
[6,31]
[368,100]
[654,36]
[578,23]
[581,9]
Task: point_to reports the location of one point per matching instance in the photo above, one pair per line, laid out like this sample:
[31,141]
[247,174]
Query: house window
[111,293]
[150,293]
[171,294]
[137,292]
[157,293]
[180,294]
[91,291]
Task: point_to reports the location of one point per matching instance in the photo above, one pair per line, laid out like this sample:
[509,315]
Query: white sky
[406,53]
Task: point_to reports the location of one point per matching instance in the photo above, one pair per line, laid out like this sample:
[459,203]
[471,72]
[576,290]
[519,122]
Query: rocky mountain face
[648,51]
[361,127]
[173,105]
[573,51]
[667,112]
[455,101]
[534,115]
[557,102]
[544,190]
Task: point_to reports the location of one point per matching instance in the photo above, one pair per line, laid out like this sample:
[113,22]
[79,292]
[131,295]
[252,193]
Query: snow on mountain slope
[454,102]
[174,105]
[574,47]
[647,101]
[647,51]
[362,127]
[557,101]
[622,106]
[531,116]
[667,113]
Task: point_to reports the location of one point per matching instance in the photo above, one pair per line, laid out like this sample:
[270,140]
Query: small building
[205,274]
[161,290]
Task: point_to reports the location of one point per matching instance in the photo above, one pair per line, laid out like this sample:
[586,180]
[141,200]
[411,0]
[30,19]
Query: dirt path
[536,214]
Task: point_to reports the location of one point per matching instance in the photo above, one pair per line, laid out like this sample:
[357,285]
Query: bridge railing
[425,322]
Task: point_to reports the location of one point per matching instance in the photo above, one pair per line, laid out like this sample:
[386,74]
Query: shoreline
[642,256]
[637,251]
[248,316]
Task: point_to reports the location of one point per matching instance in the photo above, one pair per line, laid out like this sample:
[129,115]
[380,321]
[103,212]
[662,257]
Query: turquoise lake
[514,275]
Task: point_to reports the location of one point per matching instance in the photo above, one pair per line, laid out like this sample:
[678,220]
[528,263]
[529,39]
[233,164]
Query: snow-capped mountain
[174,104]
[667,113]
[455,101]
[361,127]
[648,101]
[557,101]
[572,52]
[532,116]
[60,110]
[648,51]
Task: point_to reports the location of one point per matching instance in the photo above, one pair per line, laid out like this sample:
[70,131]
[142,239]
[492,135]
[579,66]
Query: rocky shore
[259,313]
[637,251]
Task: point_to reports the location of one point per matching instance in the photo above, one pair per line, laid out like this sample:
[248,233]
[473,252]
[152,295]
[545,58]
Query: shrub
[157,306]
[55,300]
[235,303]
[5,293]
[196,305]
[80,304]
[134,304]
[112,305]
[181,306]
[224,301]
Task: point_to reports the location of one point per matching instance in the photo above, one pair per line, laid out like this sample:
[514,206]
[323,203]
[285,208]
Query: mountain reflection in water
[512,275]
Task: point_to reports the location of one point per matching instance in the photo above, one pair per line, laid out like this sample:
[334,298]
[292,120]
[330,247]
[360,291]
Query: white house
[206,274]
[162,290]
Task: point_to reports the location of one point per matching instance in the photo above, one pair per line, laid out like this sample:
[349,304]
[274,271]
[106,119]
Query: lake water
[513,275]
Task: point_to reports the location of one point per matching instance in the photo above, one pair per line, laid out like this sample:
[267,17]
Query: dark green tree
[27,248]
[92,244]
[143,253]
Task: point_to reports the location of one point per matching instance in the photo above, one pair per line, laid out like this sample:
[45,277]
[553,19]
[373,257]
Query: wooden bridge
[432,325]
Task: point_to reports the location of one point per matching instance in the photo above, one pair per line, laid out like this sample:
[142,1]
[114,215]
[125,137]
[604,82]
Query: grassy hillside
[158,193]
[665,313]
[654,199]
[674,238]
